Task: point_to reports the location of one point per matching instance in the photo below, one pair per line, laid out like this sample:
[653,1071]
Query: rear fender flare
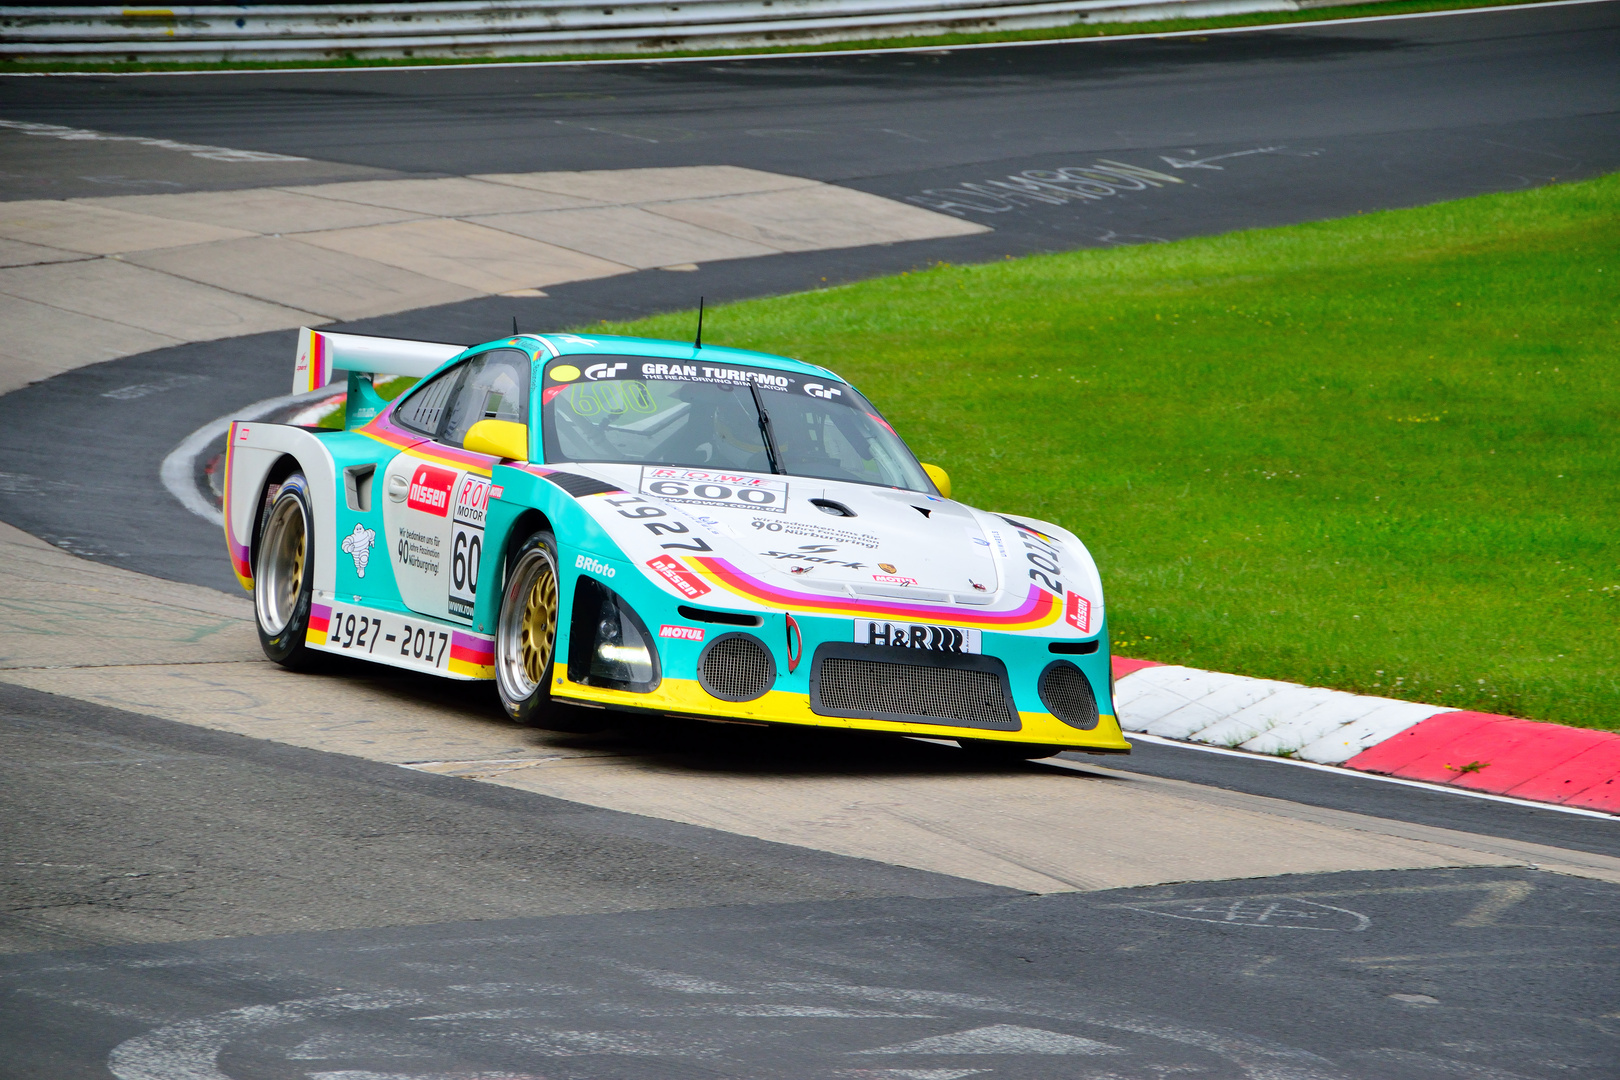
[262,455]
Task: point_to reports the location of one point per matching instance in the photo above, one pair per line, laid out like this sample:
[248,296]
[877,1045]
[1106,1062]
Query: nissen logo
[604,371]
[430,490]
[585,562]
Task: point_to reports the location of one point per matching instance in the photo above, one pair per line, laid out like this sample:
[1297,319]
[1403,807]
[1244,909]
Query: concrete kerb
[1478,754]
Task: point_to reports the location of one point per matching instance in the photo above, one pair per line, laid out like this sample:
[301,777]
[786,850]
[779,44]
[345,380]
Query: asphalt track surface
[550,939]
[462,930]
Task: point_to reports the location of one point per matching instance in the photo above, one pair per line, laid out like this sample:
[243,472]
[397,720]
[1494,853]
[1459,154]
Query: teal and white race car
[662,528]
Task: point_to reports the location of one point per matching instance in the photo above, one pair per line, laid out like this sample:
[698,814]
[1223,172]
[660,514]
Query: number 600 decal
[715,489]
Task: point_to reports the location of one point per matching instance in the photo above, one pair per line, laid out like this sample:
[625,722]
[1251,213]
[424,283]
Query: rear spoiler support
[321,355]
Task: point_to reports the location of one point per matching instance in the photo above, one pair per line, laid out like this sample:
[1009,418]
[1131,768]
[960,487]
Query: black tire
[993,751]
[526,631]
[284,576]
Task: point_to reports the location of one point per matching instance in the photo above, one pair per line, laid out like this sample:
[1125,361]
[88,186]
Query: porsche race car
[664,528]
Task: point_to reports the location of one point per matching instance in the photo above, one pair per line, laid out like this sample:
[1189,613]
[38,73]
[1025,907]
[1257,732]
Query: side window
[422,411]
[496,388]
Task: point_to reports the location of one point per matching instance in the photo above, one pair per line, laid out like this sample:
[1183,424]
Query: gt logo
[815,389]
[604,371]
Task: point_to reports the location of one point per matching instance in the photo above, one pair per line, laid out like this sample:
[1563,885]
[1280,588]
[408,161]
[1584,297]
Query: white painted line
[212,153]
[1358,775]
[711,58]
[179,469]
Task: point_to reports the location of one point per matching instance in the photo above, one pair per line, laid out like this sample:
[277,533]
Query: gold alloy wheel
[539,633]
[526,630]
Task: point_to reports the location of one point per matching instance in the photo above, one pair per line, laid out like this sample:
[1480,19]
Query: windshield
[631,410]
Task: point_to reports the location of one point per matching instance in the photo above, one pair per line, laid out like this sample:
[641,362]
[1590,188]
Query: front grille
[736,667]
[1067,692]
[861,687]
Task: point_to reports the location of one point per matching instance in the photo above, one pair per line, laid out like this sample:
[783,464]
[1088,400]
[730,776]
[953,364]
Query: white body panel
[769,527]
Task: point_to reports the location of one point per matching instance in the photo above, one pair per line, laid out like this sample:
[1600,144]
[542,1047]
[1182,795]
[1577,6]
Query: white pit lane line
[179,469]
[211,153]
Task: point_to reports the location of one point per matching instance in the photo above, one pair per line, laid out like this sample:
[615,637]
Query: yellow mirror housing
[939,476]
[499,438]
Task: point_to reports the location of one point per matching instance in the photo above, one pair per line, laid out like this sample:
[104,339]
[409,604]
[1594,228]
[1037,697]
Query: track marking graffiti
[1051,187]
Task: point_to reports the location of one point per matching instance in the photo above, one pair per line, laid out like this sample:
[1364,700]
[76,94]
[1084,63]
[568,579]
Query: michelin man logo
[358,544]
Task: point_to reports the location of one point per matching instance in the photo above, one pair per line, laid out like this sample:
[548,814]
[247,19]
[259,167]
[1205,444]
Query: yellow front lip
[686,697]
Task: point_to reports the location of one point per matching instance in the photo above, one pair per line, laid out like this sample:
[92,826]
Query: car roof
[610,344]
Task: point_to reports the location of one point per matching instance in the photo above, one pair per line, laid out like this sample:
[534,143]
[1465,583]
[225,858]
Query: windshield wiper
[765,428]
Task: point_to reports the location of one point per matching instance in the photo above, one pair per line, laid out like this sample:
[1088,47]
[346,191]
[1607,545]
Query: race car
[669,529]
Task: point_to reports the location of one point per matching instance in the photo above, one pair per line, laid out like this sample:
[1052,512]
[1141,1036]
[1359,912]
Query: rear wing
[321,355]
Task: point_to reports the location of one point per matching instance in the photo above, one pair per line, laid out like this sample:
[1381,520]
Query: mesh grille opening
[1067,693]
[863,686]
[736,667]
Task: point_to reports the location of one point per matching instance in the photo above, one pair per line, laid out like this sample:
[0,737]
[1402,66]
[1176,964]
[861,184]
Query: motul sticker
[681,633]
[430,490]
[1077,612]
[675,572]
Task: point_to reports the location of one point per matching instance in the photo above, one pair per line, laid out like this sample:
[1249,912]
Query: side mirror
[939,476]
[498,438]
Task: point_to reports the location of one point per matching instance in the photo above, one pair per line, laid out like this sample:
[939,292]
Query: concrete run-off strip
[124,274]
[188,654]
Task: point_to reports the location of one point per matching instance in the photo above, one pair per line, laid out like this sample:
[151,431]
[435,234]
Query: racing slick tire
[284,576]
[526,631]
[992,751]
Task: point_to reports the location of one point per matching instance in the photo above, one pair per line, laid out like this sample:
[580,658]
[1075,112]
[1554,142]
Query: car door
[438,492]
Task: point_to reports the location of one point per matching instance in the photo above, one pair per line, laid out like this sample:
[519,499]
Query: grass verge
[1380,453]
[23,66]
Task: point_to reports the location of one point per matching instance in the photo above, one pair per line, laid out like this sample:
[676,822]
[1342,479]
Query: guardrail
[481,28]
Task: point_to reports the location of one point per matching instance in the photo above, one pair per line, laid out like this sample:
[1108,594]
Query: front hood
[844,539]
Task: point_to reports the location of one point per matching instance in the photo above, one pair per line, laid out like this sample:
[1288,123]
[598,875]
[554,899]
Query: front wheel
[284,576]
[526,631]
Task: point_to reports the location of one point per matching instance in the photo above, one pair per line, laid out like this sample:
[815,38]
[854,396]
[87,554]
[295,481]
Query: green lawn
[17,63]
[1380,453]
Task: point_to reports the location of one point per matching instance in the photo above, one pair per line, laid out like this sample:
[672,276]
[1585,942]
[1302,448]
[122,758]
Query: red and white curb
[1470,751]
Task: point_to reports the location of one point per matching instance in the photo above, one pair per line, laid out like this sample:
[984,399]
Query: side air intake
[1067,693]
[736,667]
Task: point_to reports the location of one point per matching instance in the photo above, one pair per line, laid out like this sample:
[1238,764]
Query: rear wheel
[284,576]
[526,631]
[994,750]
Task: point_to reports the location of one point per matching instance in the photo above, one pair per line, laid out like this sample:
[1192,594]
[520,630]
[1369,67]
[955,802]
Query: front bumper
[686,698]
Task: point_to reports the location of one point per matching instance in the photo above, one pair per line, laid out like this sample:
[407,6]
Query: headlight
[608,644]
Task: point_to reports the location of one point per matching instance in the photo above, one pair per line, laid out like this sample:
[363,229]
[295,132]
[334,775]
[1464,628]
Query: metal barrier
[480,28]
